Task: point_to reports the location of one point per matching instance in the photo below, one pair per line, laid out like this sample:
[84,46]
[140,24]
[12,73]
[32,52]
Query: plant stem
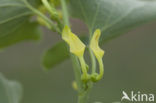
[50,8]
[83,67]
[93,61]
[83,96]
[65,12]
[38,13]
[101,67]
[77,71]
[75,62]
[83,88]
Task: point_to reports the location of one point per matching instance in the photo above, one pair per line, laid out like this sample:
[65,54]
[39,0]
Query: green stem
[101,69]
[65,12]
[83,97]
[76,65]
[77,72]
[50,8]
[84,69]
[38,13]
[83,90]
[53,12]
[93,61]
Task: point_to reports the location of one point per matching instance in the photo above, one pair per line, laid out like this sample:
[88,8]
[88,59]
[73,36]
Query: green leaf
[10,91]
[35,3]
[113,17]
[55,55]
[14,18]
[58,54]
[26,31]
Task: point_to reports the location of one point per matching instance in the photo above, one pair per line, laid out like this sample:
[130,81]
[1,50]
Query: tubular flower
[76,45]
[77,48]
[98,52]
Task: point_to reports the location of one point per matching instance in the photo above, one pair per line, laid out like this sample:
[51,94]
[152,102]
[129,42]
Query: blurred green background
[130,64]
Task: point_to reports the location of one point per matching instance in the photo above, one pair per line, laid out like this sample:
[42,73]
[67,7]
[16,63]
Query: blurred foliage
[133,62]
[14,23]
[10,91]
[55,55]
[113,17]
[129,65]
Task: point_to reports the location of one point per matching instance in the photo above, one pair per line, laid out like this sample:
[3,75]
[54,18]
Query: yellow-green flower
[77,48]
[98,52]
[76,45]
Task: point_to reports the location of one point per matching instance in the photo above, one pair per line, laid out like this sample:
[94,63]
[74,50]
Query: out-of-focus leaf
[35,3]
[10,91]
[13,16]
[27,31]
[113,17]
[55,2]
[55,55]
[58,54]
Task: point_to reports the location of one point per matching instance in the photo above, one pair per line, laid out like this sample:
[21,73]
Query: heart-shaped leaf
[113,17]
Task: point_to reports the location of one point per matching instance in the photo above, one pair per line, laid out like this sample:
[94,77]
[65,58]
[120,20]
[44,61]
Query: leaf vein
[15,17]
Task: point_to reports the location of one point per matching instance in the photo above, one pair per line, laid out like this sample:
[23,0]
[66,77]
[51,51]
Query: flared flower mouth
[76,45]
[94,44]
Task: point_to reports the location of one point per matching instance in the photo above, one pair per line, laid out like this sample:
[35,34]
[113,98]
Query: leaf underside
[113,17]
